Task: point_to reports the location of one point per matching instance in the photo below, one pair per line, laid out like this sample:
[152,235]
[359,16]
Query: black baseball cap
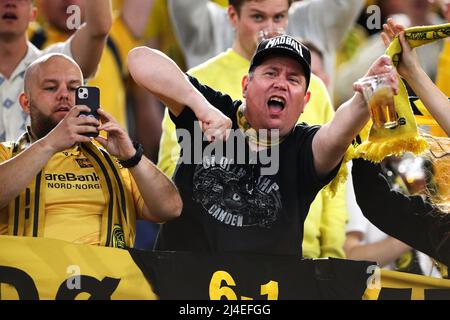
[283,45]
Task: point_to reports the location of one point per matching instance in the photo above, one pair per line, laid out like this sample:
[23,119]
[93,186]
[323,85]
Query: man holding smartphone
[17,53]
[57,184]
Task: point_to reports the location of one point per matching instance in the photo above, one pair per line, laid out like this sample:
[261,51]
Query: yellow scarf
[382,142]
[27,211]
[378,143]
[252,134]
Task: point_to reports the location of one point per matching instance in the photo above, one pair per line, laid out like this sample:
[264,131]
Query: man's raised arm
[333,139]
[160,75]
[89,41]
[202,28]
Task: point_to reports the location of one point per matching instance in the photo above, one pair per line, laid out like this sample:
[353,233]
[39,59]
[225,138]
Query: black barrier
[40,269]
[195,276]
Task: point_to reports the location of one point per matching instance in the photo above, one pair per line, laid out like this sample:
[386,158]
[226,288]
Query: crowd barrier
[37,268]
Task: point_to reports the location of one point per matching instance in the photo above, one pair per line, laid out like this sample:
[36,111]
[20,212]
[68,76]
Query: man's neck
[57,34]
[257,141]
[12,52]
[241,51]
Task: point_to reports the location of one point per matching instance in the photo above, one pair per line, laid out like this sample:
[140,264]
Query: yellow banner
[48,269]
[395,285]
[38,268]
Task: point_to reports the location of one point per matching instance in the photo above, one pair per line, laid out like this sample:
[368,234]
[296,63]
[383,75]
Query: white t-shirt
[13,121]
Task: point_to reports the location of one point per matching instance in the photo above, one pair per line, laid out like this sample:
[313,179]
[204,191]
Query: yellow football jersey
[74,201]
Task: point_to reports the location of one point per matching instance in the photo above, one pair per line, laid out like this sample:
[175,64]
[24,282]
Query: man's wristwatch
[134,160]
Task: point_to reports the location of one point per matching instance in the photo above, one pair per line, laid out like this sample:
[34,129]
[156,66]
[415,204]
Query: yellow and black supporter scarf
[252,135]
[382,142]
[374,144]
[27,211]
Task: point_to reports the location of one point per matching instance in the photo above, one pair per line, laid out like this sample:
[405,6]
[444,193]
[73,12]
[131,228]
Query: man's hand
[215,125]
[89,41]
[409,63]
[117,143]
[383,65]
[71,129]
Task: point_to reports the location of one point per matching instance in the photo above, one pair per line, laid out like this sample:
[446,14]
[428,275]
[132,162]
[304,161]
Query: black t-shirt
[232,205]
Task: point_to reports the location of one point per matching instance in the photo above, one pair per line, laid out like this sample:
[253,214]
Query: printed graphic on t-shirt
[236,195]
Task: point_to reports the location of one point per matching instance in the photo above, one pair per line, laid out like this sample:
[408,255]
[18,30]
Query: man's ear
[306,100]
[307,97]
[233,16]
[245,81]
[24,103]
[33,14]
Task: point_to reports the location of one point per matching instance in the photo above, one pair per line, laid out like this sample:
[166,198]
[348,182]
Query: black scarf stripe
[15,149]
[111,193]
[27,203]
[36,204]
[16,216]
[119,182]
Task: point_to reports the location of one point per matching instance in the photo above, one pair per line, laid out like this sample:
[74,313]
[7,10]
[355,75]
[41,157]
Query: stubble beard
[41,125]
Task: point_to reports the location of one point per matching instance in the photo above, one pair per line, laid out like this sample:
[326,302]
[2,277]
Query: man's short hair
[237,4]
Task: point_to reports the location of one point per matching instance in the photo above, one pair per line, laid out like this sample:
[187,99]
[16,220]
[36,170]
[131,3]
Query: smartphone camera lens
[83,94]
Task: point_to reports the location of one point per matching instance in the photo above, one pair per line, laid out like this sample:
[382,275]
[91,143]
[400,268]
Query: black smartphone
[89,96]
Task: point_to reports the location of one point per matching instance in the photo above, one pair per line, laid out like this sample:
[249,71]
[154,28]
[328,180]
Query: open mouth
[276,104]
[9,16]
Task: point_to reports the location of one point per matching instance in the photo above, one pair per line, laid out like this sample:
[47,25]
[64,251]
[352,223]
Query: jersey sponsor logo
[71,181]
[235,195]
[84,163]
[71,177]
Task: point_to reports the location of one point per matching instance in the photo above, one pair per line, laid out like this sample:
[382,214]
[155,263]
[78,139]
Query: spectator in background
[416,13]
[365,27]
[324,230]
[16,52]
[204,30]
[159,32]
[318,63]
